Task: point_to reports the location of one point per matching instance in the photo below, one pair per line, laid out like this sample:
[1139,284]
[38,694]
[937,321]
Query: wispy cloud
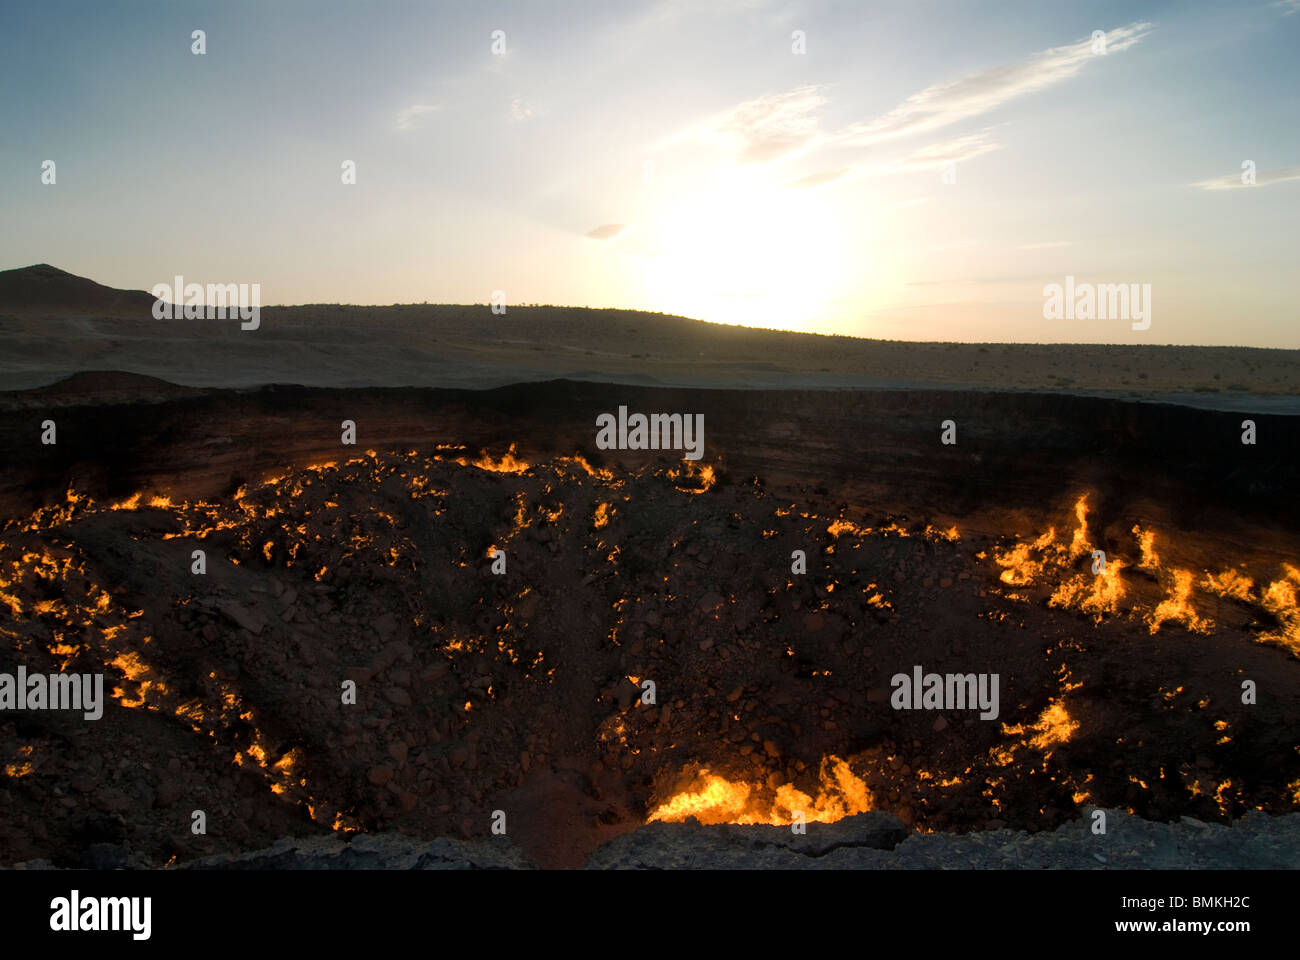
[772,127]
[1262,179]
[1288,6]
[936,156]
[780,126]
[821,178]
[607,231]
[407,117]
[947,103]
[957,150]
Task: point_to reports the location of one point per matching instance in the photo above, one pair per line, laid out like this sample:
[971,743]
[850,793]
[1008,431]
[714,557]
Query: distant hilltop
[42,288]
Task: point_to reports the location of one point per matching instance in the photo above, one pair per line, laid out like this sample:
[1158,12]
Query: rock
[109,801]
[940,724]
[245,619]
[711,602]
[169,791]
[866,838]
[625,692]
[397,697]
[397,750]
[104,856]
[771,749]
[436,672]
[380,775]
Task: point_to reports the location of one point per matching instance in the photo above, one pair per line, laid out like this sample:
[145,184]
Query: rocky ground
[867,841]
[872,842]
[523,692]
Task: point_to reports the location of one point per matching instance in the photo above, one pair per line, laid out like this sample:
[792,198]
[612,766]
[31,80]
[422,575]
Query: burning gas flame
[1080,543]
[1097,594]
[1021,569]
[1106,592]
[131,503]
[1177,607]
[579,460]
[711,798]
[691,478]
[1280,600]
[509,463]
[1146,543]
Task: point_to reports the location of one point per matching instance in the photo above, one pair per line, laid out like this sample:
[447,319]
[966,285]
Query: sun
[746,251]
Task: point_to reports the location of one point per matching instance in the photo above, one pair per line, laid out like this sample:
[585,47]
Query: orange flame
[711,799]
[1177,607]
[1146,543]
[1280,600]
[1020,568]
[1095,594]
[509,463]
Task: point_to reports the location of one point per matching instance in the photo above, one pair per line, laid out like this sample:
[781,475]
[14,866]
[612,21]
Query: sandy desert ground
[53,324]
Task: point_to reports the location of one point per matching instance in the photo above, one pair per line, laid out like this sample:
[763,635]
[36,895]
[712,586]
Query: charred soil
[525,691]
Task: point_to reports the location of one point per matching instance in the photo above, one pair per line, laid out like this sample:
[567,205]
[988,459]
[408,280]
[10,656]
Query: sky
[911,171]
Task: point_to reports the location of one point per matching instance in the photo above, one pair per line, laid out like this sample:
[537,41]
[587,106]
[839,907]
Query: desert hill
[41,288]
[54,324]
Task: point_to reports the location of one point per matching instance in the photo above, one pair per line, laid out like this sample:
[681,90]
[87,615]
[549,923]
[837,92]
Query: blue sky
[674,156]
